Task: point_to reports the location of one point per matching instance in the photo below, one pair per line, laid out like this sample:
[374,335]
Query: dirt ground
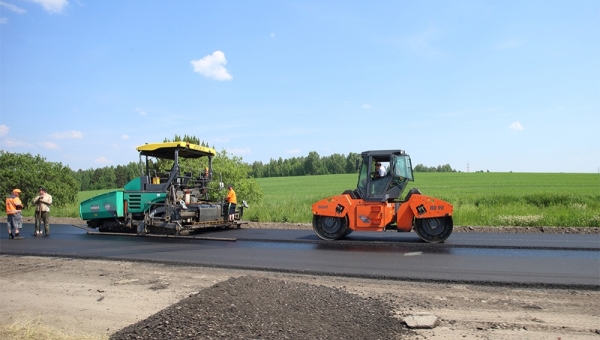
[65,298]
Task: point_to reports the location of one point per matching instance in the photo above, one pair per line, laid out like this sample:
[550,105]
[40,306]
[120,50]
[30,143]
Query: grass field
[69,210]
[479,199]
[491,199]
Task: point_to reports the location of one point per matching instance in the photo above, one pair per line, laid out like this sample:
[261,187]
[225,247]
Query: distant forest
[110,177]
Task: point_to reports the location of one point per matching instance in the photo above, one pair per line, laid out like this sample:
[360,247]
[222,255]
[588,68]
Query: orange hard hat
[17,190]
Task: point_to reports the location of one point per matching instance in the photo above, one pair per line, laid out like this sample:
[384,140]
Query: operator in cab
[379,170]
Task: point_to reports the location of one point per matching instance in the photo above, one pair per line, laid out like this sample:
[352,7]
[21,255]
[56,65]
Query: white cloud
[293,151]
[13,8]
[52,6]
[124,137]
[140,111]
[220,140]
[12,143]
[50,145]
[3,130]
[212,66]
[238,152]
[102,160]
[3,21]
[71,134]
[516,126]
[366,106]
[272,35]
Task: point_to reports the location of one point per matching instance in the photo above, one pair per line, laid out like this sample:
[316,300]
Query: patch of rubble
[251,307]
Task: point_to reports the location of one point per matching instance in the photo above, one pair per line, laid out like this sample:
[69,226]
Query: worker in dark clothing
[42,213]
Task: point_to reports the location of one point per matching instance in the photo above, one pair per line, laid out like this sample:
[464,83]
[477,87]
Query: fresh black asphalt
[559,260]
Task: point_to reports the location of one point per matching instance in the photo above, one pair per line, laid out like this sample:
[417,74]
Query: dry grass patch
[34,329]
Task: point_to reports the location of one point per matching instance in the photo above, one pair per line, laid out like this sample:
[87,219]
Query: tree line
[110,177]
[439,168]
[29,172]
[313,164]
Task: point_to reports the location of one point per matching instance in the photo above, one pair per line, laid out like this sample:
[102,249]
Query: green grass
[289,199]
[491,199]
[479,199]
[71,210]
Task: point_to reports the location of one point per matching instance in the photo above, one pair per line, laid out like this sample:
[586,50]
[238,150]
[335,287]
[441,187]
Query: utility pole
[467,166]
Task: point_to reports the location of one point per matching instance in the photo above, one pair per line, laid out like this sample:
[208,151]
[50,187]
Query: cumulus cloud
[220,140]
[52,6]
[240,151]
[71,134]
[212,66]
[124,137]
[3,130]
[516,126]
[366,106]
[50,145]
[13,8]
[102,160]
[11,143]
[140,111]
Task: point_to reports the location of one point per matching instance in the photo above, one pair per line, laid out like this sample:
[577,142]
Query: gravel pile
[261,308]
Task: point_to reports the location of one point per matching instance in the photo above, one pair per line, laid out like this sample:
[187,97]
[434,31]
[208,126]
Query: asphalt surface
[560,260]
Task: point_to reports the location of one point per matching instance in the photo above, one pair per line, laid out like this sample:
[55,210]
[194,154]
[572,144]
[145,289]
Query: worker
[14,219]
[42,212]
[379,170]
[232,200]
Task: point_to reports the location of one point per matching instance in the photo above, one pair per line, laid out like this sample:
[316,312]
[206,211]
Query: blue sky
[492,85]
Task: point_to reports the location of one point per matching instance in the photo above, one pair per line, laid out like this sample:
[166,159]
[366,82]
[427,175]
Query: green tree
[28,173]
[336,164]
[314,164]
[84,177]
[103,178]
[232,170]
[351,165]
[121,176]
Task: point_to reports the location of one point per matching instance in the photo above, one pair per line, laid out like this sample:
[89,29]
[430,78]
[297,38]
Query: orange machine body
[364,215]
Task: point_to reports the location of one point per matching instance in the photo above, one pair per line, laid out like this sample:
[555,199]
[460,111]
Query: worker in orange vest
[14,218]
[232,200]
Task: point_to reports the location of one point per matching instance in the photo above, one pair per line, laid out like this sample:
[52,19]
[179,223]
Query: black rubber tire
[330,228]
[141,229]
[434,230]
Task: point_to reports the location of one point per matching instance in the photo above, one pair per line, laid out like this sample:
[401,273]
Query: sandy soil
[100,297]
[64,298]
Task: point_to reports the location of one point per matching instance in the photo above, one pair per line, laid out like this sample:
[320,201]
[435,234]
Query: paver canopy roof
[166,150]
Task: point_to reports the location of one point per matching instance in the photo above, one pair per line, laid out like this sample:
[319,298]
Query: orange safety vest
[231,197]
[12,202]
